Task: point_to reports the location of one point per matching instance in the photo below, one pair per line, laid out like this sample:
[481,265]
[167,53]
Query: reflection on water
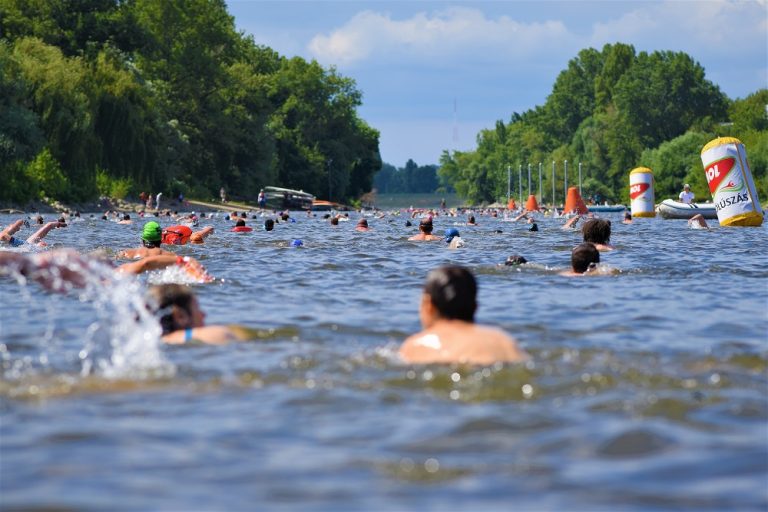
[646,391]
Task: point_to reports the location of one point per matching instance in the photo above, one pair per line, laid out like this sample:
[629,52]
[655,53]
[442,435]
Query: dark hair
[515,259]
[334,221]
[362,222]
[472,219]
[285,216]
[627,216]
[584,256]
[453,291]
[534,227]
[408,224]
[269,225]
[426,226]
[151,244]
[167,296]
[126,217]
[240,223]
[597,231]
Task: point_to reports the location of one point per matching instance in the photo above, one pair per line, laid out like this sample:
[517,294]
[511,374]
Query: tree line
[614,110]
[413,178]
[112,97]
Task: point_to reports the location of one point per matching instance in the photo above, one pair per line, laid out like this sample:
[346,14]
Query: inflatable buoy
[730,183]
[511,205]
[641,193]
[532,205]
[242,229]
[176,235]
[574,203]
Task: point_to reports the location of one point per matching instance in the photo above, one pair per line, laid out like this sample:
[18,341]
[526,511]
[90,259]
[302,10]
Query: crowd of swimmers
[446,311]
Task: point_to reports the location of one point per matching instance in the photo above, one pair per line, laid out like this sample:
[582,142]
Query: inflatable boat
[606,208]
[671,209]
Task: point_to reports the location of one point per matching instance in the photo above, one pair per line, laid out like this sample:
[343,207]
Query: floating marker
[532,205]
[574,203]
[641,192]
[730,183]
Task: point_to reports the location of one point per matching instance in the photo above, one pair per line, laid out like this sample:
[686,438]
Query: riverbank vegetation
[614,110]
[104,97]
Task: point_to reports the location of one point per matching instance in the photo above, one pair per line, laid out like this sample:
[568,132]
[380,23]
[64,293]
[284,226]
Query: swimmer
[698,222]
[362,225]
[523,215]
[627,218]
[182,320]
[471,221]
[453,238]
[151,238]
[515,260]
[534,226]
[571,223]
[6,236]
[269,225]
[425,232]
[61,269]
[584,260]
[598,232]
[126,219]
[450,335]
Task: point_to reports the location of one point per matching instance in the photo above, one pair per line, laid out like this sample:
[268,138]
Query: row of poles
[541,191]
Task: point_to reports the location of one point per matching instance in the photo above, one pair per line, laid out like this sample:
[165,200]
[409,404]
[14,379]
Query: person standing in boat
[686,196]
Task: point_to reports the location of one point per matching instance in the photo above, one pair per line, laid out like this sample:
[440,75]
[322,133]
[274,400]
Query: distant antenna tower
[455,126]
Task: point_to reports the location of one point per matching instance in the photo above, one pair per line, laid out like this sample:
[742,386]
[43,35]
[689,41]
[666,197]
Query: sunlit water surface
[646,391]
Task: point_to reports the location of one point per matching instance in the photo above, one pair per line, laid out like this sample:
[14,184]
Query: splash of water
[123,341]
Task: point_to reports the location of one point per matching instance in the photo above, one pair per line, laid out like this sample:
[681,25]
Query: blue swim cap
[450,234]
[297,243]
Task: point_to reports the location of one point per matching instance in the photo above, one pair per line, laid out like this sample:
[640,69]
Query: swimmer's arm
[199,237]
[147,264]
[9,231]
[571,222]
[40,233]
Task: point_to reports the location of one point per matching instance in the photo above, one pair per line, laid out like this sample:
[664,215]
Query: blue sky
[434,73]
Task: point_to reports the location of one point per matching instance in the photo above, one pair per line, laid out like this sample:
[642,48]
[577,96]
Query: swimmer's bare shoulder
[465,344]
[212,334]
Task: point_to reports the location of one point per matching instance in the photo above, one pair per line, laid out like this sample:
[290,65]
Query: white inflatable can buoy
[641,192]
[730,183]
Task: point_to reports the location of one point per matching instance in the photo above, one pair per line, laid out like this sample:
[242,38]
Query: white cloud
[717,26]
[440,35]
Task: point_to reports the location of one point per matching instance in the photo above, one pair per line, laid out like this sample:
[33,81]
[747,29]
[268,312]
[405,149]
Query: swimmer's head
[334,221]
[534,227]
[408,224]
[597,231]
[240,223]
[627,216]
[515,259]
[126,217]
[450,234]
[362,223]
[152,234]
[584,257]
[269,225]
[175,307]
[452,291]
[425,226]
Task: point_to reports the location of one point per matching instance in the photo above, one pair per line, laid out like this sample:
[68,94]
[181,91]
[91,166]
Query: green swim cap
[152,232]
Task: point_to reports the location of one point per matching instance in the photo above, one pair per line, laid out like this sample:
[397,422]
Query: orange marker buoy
[574,203]
[641,192]
[731,183]
[531,205]
[511,205]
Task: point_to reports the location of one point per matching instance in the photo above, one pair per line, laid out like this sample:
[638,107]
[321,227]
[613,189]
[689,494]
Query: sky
[434,73]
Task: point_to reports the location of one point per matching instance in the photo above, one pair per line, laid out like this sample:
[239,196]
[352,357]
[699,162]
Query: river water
[647,388]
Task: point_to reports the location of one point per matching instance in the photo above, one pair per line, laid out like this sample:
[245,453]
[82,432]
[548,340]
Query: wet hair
[126,217]
[164,298]
[408,224]
[426,226]
[151,244]
[285,216]
[327,216]
[362,223]
[243,216]
[584,256]
[534,227]
[453,291]
[515,259]
[240,223]
[335,221]
[627,216]
[597,231]
[269,225]
[471,219]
